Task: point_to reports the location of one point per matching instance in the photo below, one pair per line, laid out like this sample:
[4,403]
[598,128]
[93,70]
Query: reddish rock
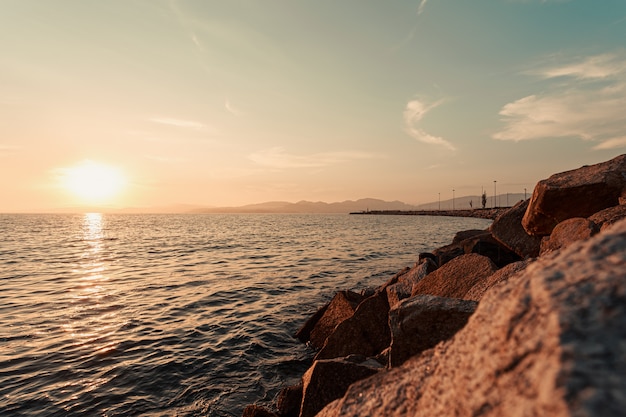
[257,411]
[467,234]
[304,333]
[568,232]
[550,341]
[419,323]
[457,277]
[447,253]
[507,229]
[503,274]
[365,333]
[289,400]
[329,379]
[340,308]
[605,218]
[485,244]
[577,193]
[404,285]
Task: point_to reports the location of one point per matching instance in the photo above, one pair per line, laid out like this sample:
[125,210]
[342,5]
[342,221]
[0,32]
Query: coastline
[491,213]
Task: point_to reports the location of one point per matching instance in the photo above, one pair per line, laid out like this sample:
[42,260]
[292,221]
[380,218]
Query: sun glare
[93,182]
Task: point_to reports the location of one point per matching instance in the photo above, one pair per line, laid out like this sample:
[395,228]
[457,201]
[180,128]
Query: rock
[341,307]
[485,244]
[447,253]
[478,291]
[457,277]
[508,230]
[550,341]
[304,333]
[568,232]
[467,234]
[393,280]
[577,193]
[607,217]
[404,285]
[329,379]
[365,333]
[257,411]
[289,400]
[419,323]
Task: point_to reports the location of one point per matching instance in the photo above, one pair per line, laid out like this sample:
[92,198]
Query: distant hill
[312,207]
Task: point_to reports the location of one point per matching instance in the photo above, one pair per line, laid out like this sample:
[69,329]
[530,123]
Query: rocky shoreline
[527,317]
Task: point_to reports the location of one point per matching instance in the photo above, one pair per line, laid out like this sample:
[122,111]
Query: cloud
[183,124]
[278,158]
[232,109]
[420,8]
[584,99]
[413,113]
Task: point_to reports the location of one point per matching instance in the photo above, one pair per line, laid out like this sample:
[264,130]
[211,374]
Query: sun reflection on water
[93,319]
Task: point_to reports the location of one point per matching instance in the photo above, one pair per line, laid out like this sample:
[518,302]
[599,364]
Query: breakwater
[490,213]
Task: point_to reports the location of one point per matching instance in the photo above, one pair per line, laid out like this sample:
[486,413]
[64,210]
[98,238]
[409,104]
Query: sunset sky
[140,103]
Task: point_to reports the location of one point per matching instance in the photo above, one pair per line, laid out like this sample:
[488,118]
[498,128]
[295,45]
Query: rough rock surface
[457,277]
[404,286]
[577,193]
[507,229]
[340,308]
[478,291]
[365,333]
[419,323]
[568,232]
[257,411]
[551,341]
[605,218]
[486,245]
[329,379]
[289,401]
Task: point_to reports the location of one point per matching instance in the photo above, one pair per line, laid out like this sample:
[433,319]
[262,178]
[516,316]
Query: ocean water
[179,315]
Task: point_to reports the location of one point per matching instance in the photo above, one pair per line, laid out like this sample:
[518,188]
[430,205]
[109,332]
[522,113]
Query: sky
[150,103]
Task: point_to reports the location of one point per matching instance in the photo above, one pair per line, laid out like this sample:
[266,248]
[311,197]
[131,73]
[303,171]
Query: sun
[93,182]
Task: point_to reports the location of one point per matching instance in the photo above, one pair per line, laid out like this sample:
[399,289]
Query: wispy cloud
[413,114]
[279,158]
[180,123]
[420,8]
[232,109]
[585,99]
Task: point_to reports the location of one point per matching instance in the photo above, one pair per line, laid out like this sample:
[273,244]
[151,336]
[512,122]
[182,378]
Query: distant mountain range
[349,206]
[365,204]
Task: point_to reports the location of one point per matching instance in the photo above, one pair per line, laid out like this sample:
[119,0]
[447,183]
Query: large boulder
[477,292]
[607,217]
[457,277]
[289,401]
[577,193]
[327,380]
[419,323]
[404,285]
[508,230]
[550,341]
[340,308]
[485,244]
[365,333]
[568,232]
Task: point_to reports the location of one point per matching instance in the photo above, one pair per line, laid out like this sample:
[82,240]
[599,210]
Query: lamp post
[439,199]
[524,194]
[453,199]
[494,194]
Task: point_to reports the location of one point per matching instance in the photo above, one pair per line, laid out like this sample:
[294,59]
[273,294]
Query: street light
[439,201]
[453,199]
[494,194]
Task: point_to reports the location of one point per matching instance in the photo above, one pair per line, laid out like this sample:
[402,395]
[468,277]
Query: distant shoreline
[490,213]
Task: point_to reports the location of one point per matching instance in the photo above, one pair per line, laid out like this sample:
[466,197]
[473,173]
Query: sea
[180,315]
